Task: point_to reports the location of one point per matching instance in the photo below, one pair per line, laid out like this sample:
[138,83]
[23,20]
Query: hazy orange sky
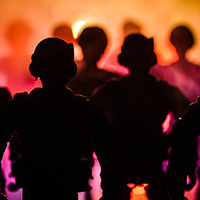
[156,18]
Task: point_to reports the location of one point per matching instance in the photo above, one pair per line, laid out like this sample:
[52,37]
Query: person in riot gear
[183,156]
[57,129]
[137,106]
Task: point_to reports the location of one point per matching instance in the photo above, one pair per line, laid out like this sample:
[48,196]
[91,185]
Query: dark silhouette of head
[137,53]
[64,32]
[93,41]
[182,39]
[130,27]
[53,62]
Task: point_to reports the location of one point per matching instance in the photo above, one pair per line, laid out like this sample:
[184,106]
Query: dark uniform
[183,142]
[58,130]
[137,106]
[55,131]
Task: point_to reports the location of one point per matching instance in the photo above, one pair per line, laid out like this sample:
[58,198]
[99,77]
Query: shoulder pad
[20,96]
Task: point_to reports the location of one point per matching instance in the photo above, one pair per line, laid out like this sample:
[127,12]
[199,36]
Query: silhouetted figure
[182,73]
[183,140]
[16,159]
[55,128]
[137,105]
[110,61]
[13,67]
[130,27]
[5,96]
[93,42]
[64,32]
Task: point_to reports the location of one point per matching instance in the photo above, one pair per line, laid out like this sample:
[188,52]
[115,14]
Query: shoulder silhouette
[56,128]
[137,106]
[183,140]
[93,42]
[182,73]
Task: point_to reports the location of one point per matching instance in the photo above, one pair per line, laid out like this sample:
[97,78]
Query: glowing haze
[156,18]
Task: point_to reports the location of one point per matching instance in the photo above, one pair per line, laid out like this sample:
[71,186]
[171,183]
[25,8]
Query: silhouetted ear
[151,42]
[72,70]
[122,60]
[34,68]
[152,58]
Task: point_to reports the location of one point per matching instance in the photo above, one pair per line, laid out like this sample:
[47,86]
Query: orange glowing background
[155,17]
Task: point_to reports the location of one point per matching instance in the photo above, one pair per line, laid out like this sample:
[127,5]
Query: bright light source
[138,192]
[76,27]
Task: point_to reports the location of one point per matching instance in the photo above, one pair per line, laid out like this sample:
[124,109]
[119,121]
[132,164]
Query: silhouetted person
[183,140]
[137,106]
[13,67]
[5,96]
[183,74]
[64,32]
[130,27]
[93,42]
[110,62]
[55,127]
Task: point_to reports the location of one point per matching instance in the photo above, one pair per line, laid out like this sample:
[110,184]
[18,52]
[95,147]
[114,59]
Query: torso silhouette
[183,159]
[181,74]
[88,79]
[55,129]
[138,107]
[93,42]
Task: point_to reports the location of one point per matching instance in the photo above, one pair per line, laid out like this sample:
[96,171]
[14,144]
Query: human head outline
[138,52]
[93,42]
[53,62]
[182,38]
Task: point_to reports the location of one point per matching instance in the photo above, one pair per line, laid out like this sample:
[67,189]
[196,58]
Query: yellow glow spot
[76,27]
[138,192]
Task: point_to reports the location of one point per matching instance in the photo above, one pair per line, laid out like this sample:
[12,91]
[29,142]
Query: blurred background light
[155,18]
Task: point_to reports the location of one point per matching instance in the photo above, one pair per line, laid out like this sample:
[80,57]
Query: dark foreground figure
[93,42]
[5,96]
[55,127]
[183,140]
[137,105]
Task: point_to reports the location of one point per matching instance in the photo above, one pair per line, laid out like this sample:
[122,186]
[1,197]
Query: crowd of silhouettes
[81,109]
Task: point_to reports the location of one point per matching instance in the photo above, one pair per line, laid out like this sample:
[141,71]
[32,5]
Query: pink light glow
[156,18]
[168,122]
